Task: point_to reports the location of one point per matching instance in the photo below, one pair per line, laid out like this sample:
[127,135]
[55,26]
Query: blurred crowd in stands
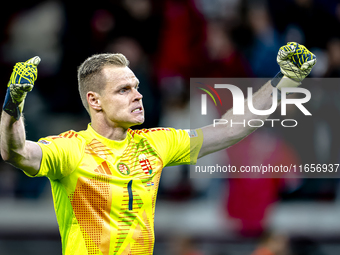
[168,42]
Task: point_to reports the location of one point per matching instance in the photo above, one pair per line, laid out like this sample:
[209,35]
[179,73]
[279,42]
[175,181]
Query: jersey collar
[112,144]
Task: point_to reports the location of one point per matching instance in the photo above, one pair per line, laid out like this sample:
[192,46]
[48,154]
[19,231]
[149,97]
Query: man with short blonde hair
[105,179]
[89,77]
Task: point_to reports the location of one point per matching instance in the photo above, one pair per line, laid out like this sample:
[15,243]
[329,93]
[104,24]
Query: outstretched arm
[23,154]
[221,136]
[296,62]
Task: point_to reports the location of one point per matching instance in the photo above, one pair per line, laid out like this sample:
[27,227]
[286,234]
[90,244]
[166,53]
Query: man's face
[121,102]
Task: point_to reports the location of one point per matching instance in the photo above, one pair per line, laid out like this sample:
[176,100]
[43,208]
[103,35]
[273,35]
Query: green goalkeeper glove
[295,62]
[21,81]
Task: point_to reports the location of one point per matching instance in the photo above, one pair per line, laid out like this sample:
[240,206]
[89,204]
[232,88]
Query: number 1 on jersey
[129,187]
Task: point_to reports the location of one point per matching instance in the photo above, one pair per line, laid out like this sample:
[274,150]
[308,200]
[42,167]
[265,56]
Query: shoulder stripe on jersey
[55,137]
[140,131]
[69,134]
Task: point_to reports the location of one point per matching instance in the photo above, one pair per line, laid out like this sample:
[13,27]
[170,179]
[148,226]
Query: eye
[123,90]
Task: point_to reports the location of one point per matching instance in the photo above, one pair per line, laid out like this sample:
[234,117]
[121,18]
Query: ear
[93,99]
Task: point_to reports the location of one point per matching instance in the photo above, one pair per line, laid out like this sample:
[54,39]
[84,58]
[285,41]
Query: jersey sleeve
[177,146]
[60,156]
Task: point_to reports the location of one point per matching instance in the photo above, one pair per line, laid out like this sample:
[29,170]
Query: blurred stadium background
[167,42]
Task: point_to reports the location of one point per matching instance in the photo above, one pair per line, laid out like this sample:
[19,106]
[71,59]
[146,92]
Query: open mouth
[139,109]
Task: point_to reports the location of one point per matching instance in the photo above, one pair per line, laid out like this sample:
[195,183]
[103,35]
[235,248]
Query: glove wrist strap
[280,81]
[276,79]
[10,107]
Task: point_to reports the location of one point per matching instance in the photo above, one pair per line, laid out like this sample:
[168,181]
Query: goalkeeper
[105,179]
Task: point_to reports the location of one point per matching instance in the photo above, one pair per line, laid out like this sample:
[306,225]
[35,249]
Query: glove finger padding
[25,72]
[285,52]
[19,91]
[295,61]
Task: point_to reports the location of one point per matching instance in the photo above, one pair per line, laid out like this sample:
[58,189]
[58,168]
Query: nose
[138,96]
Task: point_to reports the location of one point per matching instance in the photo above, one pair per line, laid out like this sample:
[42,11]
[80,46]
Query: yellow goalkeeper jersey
[104,191]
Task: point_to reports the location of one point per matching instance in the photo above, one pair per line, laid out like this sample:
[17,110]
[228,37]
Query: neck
[113,133]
